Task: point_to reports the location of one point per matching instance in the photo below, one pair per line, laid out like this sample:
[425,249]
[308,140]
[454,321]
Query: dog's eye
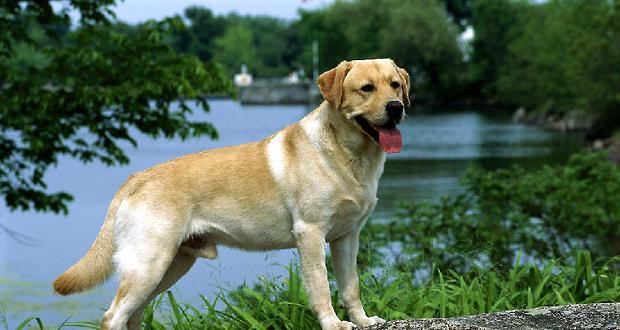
[395,84]
[368,88]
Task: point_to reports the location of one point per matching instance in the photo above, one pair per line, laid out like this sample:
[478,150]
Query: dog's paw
[345,325]
[336,324]
[376,320]
[368,321]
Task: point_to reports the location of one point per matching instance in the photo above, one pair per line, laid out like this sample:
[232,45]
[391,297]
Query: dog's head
[372,93]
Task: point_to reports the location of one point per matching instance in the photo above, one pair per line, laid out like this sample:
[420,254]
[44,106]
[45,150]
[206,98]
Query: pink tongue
[390,139]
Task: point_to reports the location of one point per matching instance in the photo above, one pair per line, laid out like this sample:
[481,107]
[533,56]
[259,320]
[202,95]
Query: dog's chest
[356,198]
[353,206]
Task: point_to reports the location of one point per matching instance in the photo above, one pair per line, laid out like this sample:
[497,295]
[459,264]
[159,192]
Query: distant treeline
[562,55]
[419,35]
[554,57]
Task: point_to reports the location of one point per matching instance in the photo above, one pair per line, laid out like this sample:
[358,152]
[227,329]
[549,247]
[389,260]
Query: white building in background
[243,78]
[292,78]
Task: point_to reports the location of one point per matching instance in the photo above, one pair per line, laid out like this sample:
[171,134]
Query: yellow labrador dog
[311,183]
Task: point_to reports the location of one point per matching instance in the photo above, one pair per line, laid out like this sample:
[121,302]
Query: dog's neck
[329,130]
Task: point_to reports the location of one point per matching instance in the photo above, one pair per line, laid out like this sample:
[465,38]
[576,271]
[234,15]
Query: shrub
[546,214]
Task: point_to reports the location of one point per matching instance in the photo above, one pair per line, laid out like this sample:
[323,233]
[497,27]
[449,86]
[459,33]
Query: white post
[315,60]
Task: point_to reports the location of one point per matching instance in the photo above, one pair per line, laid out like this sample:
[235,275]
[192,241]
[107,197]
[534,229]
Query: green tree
[199,37]
[417,34]
[324,28]
[275,47]
[269,46]
[547,56]
[89,87]
[493,22]
[565,55]
[602,68]
[419,37]
[460,11]
[344,30]
[235,47]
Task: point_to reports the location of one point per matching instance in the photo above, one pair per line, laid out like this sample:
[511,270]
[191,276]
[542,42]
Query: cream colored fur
[312,183]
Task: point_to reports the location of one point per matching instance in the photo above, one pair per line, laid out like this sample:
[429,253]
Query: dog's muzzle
[395,110]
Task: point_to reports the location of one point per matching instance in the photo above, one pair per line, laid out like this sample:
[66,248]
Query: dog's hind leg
[180,266]
[147,241]
[136,285]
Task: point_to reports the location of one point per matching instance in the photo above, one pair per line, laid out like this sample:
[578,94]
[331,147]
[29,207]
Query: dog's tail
[97,265]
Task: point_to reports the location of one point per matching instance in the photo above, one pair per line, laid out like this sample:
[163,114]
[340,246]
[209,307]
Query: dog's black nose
[395,110]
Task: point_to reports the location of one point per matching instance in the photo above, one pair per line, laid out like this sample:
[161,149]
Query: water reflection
[441,144]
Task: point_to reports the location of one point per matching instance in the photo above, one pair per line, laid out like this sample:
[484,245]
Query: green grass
[273,304]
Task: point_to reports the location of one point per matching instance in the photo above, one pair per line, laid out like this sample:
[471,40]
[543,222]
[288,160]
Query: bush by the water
[546,214]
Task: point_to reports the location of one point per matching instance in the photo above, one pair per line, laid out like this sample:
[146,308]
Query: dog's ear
[404,76]
[330,83]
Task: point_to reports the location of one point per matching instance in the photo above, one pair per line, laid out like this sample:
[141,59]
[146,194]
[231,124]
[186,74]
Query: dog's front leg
[344,255]
[311,244]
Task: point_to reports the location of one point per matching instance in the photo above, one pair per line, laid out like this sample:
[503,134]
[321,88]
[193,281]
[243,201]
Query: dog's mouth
[388,136]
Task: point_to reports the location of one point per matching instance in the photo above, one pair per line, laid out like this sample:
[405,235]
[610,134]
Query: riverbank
[572,121]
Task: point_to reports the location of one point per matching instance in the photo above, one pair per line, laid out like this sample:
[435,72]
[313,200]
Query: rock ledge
[590,316]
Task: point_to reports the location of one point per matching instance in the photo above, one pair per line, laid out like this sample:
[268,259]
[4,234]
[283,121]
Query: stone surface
[614,151]
[591,316]
[550,119]
[264,93]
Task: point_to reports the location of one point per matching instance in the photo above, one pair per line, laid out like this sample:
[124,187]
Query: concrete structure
[591,316]
[278,93]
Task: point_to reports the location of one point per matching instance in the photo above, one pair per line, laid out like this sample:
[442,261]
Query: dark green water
[439,146]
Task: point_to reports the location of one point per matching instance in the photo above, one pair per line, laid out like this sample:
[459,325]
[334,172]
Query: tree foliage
[266,44]
[492,21]
[235,48]
[79,92]
[552,63]
[427,46]
[418,34]
[560,54]
[563,55]
[460,11]
[199,37]
[269,46]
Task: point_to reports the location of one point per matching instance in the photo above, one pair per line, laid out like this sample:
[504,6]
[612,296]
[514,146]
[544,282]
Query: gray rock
[519,116]
[276,93]
[614,151]
[591,316]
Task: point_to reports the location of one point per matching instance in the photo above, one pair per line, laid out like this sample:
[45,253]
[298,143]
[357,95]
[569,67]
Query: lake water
[439,146]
